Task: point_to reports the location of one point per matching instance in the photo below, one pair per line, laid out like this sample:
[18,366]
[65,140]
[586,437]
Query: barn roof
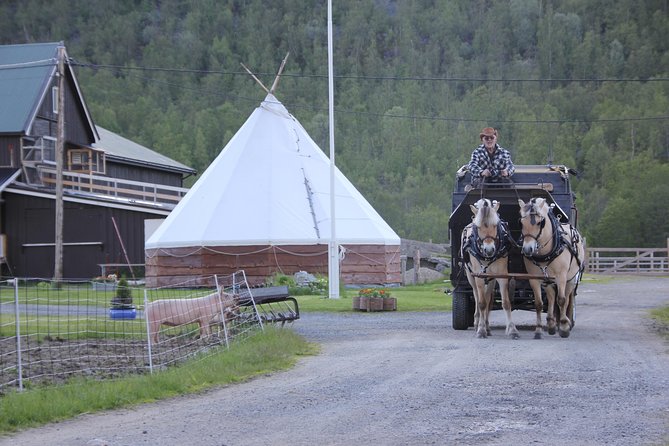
[25,73]
[121,149]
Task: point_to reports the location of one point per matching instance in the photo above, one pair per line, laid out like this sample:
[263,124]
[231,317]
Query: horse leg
[477,315]
[551,313]
[511,329]
[538,307]
[481,308]
[570,307]
[564,328]
[489,292]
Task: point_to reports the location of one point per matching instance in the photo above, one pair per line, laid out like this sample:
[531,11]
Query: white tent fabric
[270,185]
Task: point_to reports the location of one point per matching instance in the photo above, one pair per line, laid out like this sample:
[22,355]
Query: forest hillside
[580,83]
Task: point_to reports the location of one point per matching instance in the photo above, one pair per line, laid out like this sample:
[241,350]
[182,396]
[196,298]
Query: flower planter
[364,303]
[375,304]
[389,304]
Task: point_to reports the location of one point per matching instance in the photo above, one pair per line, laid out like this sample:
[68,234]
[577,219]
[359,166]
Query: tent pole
[333,247]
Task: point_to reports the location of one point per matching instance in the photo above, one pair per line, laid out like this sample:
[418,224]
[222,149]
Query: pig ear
[473,208]
[521,203]
[495,205]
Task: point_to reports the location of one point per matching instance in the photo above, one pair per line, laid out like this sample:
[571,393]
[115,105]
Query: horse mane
[532,207]
[486,216]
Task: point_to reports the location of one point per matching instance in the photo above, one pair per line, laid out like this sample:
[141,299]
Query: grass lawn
[427,297]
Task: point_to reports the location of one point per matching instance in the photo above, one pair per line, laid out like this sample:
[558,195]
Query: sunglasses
[488,138]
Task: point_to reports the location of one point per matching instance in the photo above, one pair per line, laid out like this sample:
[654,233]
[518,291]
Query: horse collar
[559,244]
[502,246]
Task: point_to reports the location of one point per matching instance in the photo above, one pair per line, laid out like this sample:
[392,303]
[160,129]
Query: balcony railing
[113,188]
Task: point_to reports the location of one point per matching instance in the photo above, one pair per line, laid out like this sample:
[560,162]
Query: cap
[488,131]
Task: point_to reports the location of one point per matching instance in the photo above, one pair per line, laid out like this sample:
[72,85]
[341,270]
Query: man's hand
[485,173]
[505,173]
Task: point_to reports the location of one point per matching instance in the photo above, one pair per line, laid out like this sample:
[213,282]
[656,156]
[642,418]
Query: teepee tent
[263,205]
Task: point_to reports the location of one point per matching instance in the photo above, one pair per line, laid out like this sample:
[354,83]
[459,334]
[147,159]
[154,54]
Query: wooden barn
[110,184]
[263,205]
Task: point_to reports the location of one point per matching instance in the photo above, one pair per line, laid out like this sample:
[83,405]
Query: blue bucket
[129,313]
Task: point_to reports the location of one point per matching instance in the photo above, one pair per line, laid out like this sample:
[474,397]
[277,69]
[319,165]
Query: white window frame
[54,99]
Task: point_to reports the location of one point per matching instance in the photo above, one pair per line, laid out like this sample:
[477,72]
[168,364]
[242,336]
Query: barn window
[54,99]
[86,161]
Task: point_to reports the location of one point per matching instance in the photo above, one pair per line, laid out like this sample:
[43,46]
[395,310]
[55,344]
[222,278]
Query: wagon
[551,182]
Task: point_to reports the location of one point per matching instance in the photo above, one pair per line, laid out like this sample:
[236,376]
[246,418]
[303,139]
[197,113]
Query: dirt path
[410,379]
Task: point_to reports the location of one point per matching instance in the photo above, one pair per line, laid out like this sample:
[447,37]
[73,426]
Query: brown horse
[485,249]
[555,251]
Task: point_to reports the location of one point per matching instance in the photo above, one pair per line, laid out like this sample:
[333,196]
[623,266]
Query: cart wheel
[463,310]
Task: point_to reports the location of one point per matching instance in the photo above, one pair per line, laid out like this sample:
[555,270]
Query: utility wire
[73,62]
[398,116]
[373,78]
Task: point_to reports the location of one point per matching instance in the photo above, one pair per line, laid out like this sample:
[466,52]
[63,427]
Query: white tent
[270,187]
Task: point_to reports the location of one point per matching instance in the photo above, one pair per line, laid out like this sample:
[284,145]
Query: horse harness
[472,245]
[561,241]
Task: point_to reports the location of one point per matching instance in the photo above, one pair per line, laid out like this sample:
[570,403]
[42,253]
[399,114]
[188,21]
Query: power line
[372,78]
[510,121]
[400,116]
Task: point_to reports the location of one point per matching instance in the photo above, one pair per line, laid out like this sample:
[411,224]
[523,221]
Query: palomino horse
[556,252]
[485,249]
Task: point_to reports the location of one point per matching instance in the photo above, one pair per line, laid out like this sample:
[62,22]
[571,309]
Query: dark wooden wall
[144,174]
[30,220]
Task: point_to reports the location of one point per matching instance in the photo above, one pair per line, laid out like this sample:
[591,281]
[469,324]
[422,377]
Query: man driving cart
[490,161]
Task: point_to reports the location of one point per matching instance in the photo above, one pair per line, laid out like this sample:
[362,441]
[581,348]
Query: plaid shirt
[500,160]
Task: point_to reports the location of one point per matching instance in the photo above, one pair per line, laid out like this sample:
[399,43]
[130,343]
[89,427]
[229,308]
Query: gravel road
[410,379]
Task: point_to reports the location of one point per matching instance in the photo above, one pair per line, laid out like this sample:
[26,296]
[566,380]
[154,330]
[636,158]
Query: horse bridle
[501,249]
[533,221]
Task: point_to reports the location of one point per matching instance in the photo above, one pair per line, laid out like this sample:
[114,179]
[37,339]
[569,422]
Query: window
[86,161]
[54,99]
[48,149]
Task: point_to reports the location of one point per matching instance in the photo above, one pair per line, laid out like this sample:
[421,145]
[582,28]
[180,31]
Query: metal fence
[50,333]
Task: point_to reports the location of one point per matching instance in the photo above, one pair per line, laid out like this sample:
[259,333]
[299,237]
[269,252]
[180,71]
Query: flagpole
[333,247]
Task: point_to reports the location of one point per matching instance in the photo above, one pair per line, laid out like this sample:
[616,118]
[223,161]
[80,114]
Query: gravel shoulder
[409,378]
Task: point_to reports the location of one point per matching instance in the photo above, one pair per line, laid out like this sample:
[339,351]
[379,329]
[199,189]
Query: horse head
[485,223]
[533,218]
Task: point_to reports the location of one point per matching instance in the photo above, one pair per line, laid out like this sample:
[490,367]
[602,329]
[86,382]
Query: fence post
[416,266]
[17,320]
[148,331]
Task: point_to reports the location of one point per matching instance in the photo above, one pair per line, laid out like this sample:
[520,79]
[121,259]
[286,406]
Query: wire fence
[49,333]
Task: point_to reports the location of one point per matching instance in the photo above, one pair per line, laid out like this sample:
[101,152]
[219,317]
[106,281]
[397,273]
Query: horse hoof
[480,335]
[551,330]
[515,336]
[537,336]
[564,333]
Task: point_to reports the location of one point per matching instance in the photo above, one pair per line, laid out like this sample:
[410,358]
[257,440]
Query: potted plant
[374,299]
[121,303]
